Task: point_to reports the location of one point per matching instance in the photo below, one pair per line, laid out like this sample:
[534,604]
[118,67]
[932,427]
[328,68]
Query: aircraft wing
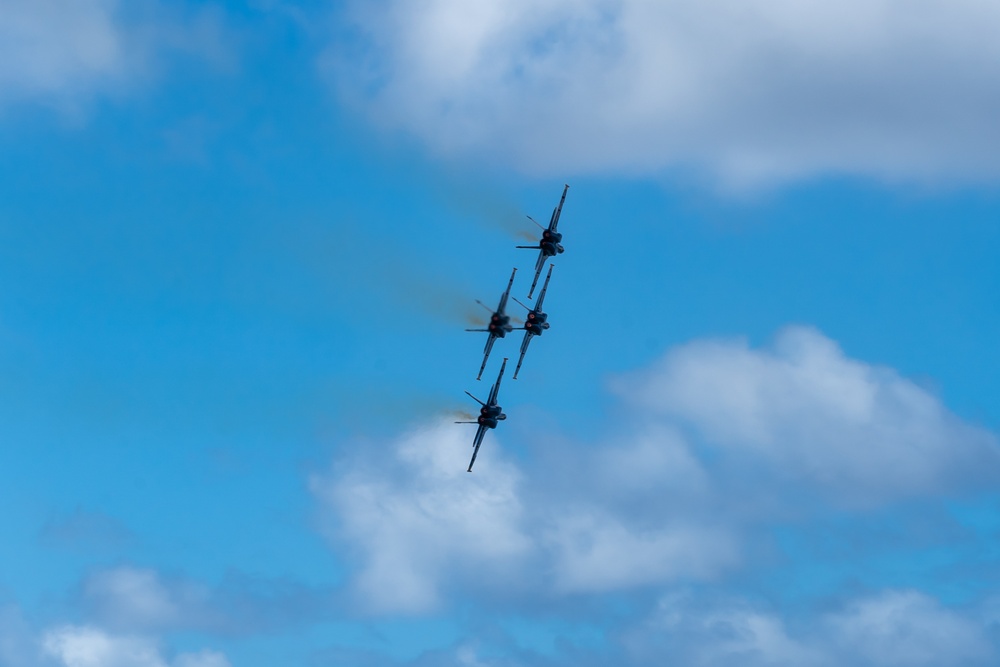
[486,354]
[476,443]
[492,400]
[554,222]
[545,286]
[506,294]
[539,265]
[524,348]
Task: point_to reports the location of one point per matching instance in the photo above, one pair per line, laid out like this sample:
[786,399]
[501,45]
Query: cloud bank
[722,443]
[742,93]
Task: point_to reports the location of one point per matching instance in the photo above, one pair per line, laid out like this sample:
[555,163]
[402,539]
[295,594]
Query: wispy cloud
[131,599]
[747,94]
[889,628]
[64,53]
[886,629]
[84,529]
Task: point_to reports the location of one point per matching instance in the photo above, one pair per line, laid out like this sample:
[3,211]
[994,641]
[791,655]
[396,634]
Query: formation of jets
[536,322]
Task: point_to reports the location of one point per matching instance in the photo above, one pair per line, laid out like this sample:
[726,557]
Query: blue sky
[239,244]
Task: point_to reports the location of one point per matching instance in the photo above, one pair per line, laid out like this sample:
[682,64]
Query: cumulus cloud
[76,646]
[129,614]
[63,52]
[418,519]
[749,93]
[88,646]
[84,646]
[805,412]
[419,525]
[722,442]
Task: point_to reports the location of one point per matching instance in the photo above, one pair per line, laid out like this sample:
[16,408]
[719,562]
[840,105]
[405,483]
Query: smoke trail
[487,206]
[367,272]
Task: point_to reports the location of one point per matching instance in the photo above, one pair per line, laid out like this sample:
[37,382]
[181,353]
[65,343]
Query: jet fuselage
[499,325]
[550,243]
[491,415]
[536,323]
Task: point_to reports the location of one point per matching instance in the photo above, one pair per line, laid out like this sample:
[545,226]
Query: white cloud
[806,413]
[593,551]
[751,92]
[724,634]
[909,628]
[204,658]
[889,629]
[62,52]
[81,646]
[48,46]
[133,597]
[86,646]
[778,434]
[421,525]
[419,519]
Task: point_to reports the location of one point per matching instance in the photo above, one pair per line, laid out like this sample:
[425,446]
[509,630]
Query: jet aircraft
[549,245]
[490,414]
[537,321]
[499,325]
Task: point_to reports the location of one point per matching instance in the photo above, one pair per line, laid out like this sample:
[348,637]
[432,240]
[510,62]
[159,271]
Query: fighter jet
[499,325]
[537,321]
[490,414]
[549,245]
